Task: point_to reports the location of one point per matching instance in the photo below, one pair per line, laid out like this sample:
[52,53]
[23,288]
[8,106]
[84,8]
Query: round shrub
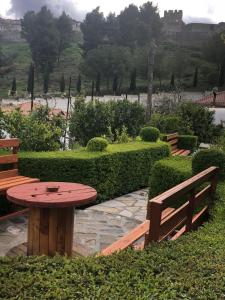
[97,144]
[149,134]
[204,159]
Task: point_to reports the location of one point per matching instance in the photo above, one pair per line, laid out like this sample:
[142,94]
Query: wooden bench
[172,139]
[9,177]
[164,222]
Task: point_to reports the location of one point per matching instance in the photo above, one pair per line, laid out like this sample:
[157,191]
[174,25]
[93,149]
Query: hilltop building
[10,30]
[193,34]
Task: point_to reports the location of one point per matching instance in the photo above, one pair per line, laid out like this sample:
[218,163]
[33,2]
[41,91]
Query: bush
[121,169]
[190,268]
[188,142]
[204,159]
[167,173]
[95,118]
[149,134]
[97,144]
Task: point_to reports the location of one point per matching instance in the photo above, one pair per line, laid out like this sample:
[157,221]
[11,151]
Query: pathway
[95,227]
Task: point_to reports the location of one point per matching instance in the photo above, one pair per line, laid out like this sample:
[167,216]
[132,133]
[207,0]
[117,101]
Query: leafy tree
[65,30]
[172,81]
[62,84]
[79,84]
[195,79]
[39,30]
[112,30]
[98,84]
[115,84]
[6,60]
[13,88]
[133,79]
[46,81]
[93,29]
[215,53]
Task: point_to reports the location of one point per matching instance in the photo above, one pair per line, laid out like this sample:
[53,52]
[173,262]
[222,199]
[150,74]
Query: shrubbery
[204,159]
[95,118]
[97,144]
[119,170]
[188,142]
[167,173]
[149,134]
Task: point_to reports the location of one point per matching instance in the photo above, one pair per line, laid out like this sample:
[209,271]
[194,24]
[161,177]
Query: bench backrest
[163,222]
[10,161]
[172,139]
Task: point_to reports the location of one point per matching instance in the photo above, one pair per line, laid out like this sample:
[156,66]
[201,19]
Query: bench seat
[172,139]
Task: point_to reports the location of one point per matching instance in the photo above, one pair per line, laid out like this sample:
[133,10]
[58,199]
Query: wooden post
[190,210]
[154,214]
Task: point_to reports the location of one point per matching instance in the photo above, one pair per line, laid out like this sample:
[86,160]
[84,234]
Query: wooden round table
[51,214]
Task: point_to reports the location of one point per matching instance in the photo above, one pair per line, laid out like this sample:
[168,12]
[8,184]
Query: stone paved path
[95,227]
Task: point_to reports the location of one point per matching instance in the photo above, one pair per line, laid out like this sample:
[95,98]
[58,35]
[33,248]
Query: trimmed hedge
[190,268]
[149,134]
[97,144]
[188,142]
[204,159]
[167,173]
[119,170]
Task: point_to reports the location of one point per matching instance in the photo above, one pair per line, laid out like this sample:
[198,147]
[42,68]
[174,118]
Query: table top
[51,194]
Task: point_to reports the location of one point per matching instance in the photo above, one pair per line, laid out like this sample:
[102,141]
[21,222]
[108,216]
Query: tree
[172,81]
[46,81]
[30,81]
[93,29]
[13,88]
[65,30]
[62,84]
[215,53]
[98,84]
[41,33]
[115,84]
[195,79]
[133,80]
[79,84]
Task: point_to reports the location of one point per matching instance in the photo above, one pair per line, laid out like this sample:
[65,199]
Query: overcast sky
[212,11]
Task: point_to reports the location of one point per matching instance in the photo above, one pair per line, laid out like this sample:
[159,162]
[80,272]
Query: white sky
[194,10]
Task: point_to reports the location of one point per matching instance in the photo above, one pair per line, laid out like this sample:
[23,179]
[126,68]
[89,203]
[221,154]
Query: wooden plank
[185,186]
[34,234]
[128,239]
[178,152]
[5,143]
[173,142]
[69,231]
[190,210]
[52,241]
[155,217]
[11,180]
[9,173]
[14,214]
[185,153]
[8,159]
[171,136]
[44,231]
[202,195]
[61,228]
[172,221]
[22,181]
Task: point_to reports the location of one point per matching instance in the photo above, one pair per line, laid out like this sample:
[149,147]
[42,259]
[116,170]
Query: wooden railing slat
[5,143]
[9,173]
[8,159]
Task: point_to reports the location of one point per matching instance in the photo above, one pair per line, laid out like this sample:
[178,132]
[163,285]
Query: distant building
[193,34]
[10,30]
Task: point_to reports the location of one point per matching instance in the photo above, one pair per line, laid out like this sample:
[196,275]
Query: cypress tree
[13,89]
[98,84]
[115,84]
[30,81]
[46,81]
[133,78]
[62,84]
[92,90]
[195,79]
[79,84]
[172,81]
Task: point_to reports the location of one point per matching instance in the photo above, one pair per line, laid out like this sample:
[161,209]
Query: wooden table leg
[50,231]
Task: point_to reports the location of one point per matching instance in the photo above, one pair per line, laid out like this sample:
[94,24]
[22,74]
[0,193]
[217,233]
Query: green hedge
[190,268]
[204,159]
[167,173]
[119,170]
[188,142]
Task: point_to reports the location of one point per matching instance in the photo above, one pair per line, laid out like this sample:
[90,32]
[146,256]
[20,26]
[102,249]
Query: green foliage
[94,118]
[190,268]
[133,79]
[204,159]
[188,142]
[13,88]
[200,120]
[167,173]
[37,131]
[97,144]
[149,134]
[169,124]
[123,137]
[62,84]
[79,84]
[119,170]
[2,124]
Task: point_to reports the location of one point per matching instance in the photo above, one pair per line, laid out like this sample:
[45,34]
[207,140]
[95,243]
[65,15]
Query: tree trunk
[151,61]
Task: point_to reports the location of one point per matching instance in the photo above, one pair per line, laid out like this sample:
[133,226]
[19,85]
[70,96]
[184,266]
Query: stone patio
[95,227]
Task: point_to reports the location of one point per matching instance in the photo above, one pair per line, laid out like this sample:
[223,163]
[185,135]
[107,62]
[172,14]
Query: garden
[110,147]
